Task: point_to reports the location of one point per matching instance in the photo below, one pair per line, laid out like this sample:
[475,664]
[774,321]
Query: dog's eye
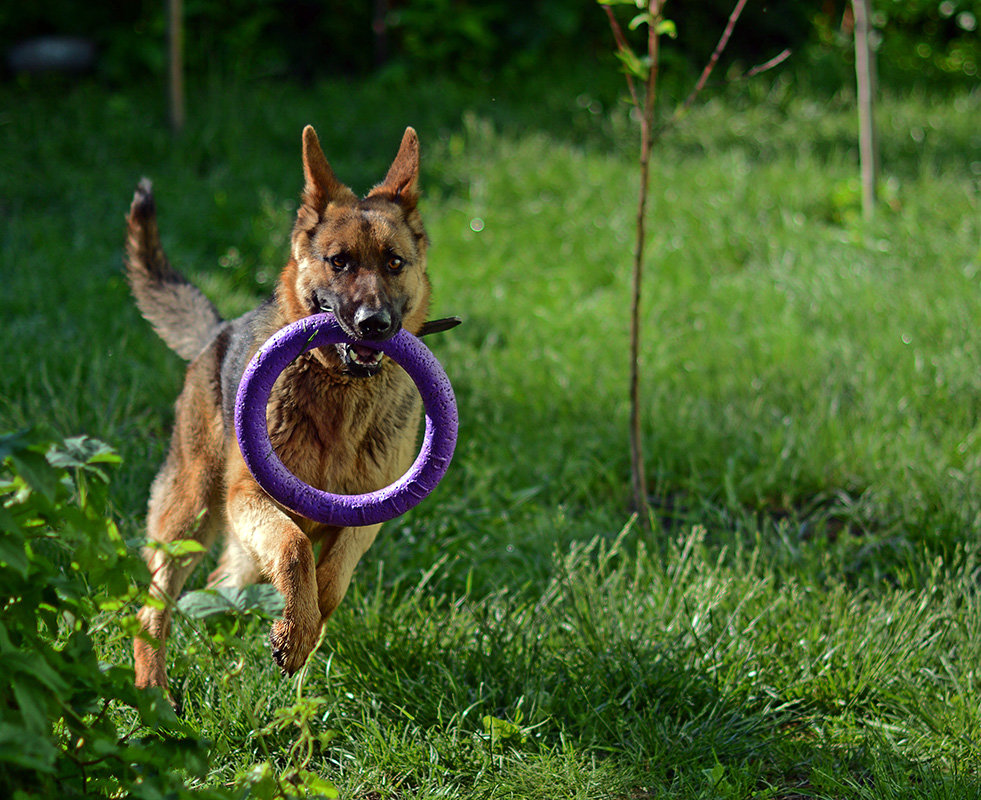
[395,263]
[338,262]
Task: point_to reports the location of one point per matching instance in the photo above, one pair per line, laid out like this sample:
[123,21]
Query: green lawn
[803,619]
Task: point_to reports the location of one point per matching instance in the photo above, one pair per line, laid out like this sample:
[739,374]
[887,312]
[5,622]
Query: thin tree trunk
[645,106]
[175,48]
[865,77]
[637,468]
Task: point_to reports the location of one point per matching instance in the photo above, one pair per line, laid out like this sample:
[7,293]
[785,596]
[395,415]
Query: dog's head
[363,259]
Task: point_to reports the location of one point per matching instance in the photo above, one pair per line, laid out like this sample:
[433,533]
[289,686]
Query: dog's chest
[348,437]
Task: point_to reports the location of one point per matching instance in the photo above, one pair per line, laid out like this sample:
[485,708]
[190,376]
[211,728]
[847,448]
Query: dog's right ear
[321,185]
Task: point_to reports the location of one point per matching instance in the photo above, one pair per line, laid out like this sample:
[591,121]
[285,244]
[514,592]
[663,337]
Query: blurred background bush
[921,40]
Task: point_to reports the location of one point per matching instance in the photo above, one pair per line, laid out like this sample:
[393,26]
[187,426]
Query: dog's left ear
[401,182]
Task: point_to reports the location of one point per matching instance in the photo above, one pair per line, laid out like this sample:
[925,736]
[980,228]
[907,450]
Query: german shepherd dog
[343,418]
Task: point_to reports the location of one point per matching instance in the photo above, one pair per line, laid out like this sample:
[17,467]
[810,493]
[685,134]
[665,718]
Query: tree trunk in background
[175,57]
[865,76]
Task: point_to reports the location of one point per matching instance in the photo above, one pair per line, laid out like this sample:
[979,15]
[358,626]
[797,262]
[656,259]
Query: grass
[802,620]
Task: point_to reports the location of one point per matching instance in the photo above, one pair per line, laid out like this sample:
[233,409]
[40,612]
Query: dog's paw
[290,646]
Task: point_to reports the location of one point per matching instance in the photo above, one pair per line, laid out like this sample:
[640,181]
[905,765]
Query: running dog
[343,418]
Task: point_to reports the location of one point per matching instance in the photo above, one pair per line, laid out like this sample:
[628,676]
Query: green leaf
[155,709]
[20,747]
[265,598]
[11,443]
[666,27]
[8,521]
[640,19]
[81,451]
[261,599]
[178,549]
[35,666]
[37,473]
[633,64]
[205,603]
[501,730]
[260,781]
[13,555]
[313,785]
[32,708]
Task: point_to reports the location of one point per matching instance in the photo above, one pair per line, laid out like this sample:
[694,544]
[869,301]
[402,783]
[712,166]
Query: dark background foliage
[311,39]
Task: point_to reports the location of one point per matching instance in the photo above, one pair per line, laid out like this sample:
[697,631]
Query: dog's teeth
[368,358]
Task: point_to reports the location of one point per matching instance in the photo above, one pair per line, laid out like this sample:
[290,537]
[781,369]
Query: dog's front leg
[285,556]
[340,552]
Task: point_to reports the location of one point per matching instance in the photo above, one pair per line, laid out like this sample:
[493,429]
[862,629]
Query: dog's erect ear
[401,182]
[322,186]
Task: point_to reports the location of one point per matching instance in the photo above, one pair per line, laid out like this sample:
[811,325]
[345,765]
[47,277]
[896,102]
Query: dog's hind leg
[180,508]
[236,568]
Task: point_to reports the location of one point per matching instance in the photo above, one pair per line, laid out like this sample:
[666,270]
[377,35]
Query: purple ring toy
[342,509]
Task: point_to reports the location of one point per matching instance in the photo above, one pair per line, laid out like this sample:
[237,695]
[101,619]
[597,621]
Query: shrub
[66,581]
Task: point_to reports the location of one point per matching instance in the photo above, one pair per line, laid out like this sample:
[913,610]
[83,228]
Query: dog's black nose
[373,323]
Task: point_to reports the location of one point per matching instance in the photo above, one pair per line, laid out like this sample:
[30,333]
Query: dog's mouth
[359,360]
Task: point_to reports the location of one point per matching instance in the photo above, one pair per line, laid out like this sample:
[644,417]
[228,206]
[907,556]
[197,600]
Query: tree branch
[622,47]
[714,58]
[778,59]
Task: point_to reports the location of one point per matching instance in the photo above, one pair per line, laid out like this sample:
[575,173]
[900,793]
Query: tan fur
[338,431]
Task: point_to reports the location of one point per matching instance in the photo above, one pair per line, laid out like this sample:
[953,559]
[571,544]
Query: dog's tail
[179,312]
